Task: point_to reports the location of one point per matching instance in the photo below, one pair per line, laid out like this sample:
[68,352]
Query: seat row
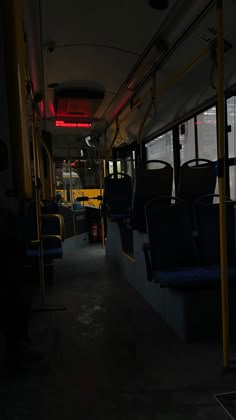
[124,198]
[183,249]
[52,232]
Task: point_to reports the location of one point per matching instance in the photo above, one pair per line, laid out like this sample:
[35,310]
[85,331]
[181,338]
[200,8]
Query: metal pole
[221,182]
[36,152]
[108,154]
[36,146]
[69,156]
[101,192]
[50,165]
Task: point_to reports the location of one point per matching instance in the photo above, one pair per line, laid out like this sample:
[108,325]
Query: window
[207,134]
[161,148]
[187,141]
[119,169]
[75,176]
[111,167]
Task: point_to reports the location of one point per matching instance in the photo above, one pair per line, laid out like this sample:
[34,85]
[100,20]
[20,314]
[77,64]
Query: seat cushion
[195,277]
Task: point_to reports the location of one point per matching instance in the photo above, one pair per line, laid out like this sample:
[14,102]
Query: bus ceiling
[93,63]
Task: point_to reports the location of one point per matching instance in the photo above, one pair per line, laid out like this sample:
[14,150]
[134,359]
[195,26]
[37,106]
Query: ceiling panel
[84,64]
[99,43]
[80,33]
[124,24]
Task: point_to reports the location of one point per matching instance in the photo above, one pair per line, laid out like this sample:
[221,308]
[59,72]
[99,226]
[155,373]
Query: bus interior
[118,159]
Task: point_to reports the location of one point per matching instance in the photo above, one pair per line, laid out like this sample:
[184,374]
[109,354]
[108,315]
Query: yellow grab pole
[50,165]
[36,179]
[221,182]
[36,145]
[108,154]
[181,72]
[101,193]
[70,172]
[104,167]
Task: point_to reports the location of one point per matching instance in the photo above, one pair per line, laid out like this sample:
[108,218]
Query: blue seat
[53,224]
[117,196]
[52,248]
[52,234]
[181,257]
[170,235]
[197,177]
[203,277]
[152,179]
[206,214]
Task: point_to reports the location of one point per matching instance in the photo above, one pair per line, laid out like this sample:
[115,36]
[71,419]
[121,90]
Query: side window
[161,148]
[111,167]
[187,141]
[207,134]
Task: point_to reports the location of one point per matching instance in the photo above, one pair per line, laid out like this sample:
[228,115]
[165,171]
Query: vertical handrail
[221,183]
[70,172]
[50,165]
[108,152]
[101,193]
[36,155]
[104,168]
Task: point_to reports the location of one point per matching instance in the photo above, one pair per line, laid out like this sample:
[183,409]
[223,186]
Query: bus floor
[109,356]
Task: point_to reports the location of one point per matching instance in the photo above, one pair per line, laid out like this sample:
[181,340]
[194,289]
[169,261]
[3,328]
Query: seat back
[51,247]
[49,207]
[53,224]
[208,229]
[170,236]
[197,178]
[117,196]
[153,179]
[52,233]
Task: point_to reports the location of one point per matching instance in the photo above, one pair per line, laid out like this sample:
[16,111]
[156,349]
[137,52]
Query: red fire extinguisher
[94,231]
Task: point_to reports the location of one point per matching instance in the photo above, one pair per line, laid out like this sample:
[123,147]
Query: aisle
[109,356]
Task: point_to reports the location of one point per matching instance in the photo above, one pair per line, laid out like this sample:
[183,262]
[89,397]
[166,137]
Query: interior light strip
[72,124]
